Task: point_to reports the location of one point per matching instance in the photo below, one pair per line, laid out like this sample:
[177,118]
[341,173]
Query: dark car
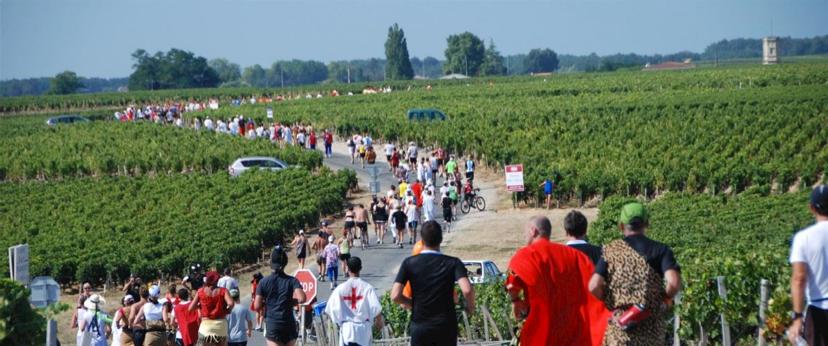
[426,114]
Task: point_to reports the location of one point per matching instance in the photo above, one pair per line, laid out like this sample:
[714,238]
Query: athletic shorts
[388,158]
[280,332]
[439,162]
[349,224]
[816,326]
[412,224]
[362,225]
[444,334]
[447,215]
[412,160]
[469,175]
[345,256]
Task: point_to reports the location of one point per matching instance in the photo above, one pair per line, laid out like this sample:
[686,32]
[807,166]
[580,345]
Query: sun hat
[128,298]
[234,293]
[94,302]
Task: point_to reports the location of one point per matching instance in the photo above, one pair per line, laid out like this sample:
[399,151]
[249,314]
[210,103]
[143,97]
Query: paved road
[379,262]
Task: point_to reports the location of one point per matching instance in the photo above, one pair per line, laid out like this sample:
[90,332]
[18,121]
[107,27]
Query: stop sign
[308,282]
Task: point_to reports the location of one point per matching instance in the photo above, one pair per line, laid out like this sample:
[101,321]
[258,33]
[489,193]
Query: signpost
[308,282]
[19,263]
[270,112]
[514,181]
[374,184]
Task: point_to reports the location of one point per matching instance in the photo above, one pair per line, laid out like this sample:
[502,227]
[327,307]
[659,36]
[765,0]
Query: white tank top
[153,312]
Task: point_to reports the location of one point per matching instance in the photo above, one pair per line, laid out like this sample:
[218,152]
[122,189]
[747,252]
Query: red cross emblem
[353,298]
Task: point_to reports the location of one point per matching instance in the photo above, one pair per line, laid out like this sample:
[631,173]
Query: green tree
[492,62]
[66,82]
[19,323]
[541,60]
[255,76]
[465,54]
[398,65]
[226,70]
[177,69]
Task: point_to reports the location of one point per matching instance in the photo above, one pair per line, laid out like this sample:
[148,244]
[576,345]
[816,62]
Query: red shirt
[188,323]
[328,138]
[417,189]
[312,138]
[562,311]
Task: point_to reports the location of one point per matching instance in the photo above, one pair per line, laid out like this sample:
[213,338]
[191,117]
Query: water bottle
[633,316]
[800,341]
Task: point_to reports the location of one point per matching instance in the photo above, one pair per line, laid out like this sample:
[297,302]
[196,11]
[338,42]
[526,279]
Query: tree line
[465,54]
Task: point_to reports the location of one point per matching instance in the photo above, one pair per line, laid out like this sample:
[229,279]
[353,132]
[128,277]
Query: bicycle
[475,201]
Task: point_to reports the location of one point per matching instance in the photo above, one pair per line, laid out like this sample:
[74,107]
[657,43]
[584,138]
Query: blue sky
[96,37]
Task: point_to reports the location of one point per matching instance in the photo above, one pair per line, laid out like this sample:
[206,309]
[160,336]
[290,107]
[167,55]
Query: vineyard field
[88,228]
[744,238]
[621,133]
[31,150]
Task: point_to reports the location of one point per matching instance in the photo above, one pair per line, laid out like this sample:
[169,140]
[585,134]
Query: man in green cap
[637,278]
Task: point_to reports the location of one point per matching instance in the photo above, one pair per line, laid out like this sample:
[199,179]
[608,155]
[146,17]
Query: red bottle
[633,316]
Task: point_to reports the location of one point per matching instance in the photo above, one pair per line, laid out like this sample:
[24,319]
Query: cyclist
[468,192]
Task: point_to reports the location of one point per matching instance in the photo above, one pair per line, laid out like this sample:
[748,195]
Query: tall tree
[226,70]
[66,82]
[541,60]
[465,54]
[398,65]
[492,62]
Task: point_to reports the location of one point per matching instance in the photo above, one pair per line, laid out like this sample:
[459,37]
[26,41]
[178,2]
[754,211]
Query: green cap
[633,210]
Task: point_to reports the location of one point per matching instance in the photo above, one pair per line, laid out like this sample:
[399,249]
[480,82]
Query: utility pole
[466,62]
[349,72]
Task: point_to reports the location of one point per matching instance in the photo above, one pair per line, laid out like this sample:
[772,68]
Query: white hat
[331,239]
[154,291]
[301,231]
[94,302]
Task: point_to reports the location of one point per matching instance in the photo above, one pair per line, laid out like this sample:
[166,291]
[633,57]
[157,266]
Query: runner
[155,316]
[380,220]
[395,160]
[300,244]
[403,188]
[119,321]
[361,220]
[400,221]
[548,185]
[390,149]
[412,153]
[451,167]
[319,247]
[136,325]
[239,322]
[347,232]
[344,253]
[353,306]
[186,322]
[445,202]
[331,260]
[413,217]
[328,143]
[440,155]
[809,279]
[94,323]
[254,283]
[428,205]
[636,272]
[453,196]
[432,165]
[547,283]
[469,168]
[277,294]
[432,276]
[213,303]
[575,225]
[351,149]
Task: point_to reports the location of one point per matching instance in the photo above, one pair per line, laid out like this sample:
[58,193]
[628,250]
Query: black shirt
[277,294]
[658,256]
[399,219]
[196,281]
[592,251]
[432,278]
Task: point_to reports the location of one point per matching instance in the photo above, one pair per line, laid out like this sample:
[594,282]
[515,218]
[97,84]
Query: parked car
[261,162]
[483,271]
[426,114]
[66,119]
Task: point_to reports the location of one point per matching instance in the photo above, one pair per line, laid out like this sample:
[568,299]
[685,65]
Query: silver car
[483,271]
[261,162]
[66,119]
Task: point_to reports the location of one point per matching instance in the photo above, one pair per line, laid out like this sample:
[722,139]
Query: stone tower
[770,53]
